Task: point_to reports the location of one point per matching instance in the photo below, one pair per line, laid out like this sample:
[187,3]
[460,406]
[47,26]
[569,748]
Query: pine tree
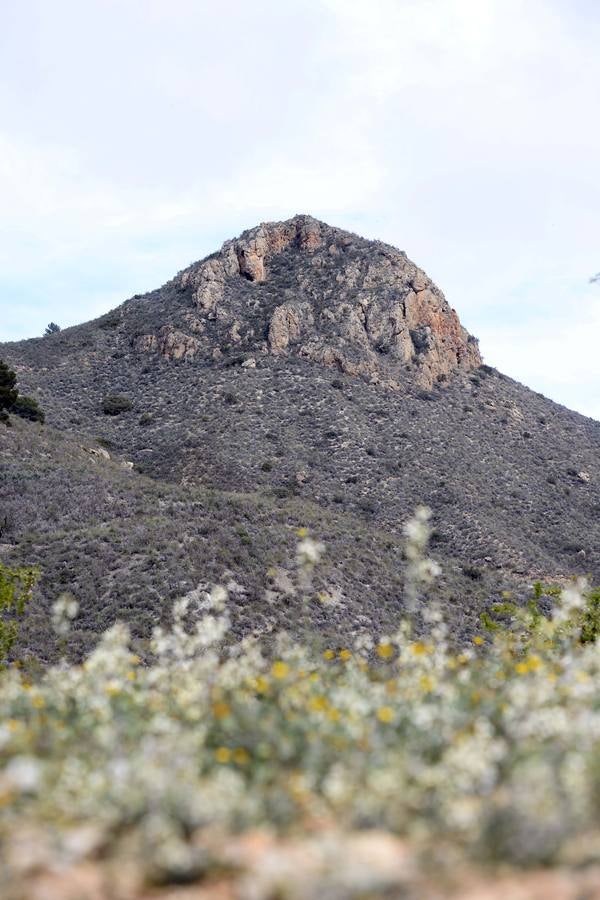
[52,328]
[8,390]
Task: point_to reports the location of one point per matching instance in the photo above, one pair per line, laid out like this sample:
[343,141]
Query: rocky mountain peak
[304,288]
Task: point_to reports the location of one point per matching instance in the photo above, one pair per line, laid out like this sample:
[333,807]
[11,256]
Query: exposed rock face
[175,344]
[287,324]
[305,288]
[171,343]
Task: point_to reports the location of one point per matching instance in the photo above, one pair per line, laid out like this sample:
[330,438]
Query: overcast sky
[137,135]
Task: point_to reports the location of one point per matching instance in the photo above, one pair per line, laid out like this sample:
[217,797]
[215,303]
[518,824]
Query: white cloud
[557,354]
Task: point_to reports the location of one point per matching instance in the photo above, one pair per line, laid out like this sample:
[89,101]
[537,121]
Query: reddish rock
[359,306]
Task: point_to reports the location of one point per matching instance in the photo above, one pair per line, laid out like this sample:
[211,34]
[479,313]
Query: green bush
[28,408]
[115,404]
[16,588]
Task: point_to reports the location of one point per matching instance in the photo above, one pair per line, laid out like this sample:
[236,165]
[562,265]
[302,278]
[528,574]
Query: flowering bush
[16,588]
[491,747]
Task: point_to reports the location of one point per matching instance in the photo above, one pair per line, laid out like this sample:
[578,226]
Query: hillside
[301,376]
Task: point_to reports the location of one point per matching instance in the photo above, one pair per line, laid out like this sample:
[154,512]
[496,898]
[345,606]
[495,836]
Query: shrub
[115,404]
[28,408]
[110,320]
[52,328]
[13,402]
[16,588]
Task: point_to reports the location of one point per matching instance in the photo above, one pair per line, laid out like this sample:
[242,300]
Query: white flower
[309,552]
[64,610]
[23,773]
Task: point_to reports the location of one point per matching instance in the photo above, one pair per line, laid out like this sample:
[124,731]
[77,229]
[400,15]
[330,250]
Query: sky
[137,135]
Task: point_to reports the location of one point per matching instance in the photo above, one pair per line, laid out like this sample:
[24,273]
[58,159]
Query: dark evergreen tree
[13,402]
[8,390]
[52,328]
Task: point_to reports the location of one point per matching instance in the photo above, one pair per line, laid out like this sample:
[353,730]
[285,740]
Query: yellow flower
[280,669]
[241,756]
[328,654]
[261,684]
[38,702]
[426,683]
[385,714]
[419,648]
[333,715]
[302,532]
[535,663]
[478,640]
[318,703]
[220,710]
[12,724]
[521,668]
[131,676]
[6,797]
[222,754]
[345,655]
[385,650]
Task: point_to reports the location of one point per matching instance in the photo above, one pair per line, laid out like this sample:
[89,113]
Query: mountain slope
[302,375]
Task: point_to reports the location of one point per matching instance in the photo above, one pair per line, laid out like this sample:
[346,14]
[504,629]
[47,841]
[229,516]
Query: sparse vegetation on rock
[345,453]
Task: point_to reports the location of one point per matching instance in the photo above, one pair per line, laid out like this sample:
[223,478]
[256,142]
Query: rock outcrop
[301,287]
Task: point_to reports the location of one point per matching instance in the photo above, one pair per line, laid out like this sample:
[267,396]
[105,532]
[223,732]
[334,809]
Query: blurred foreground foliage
[491,748]
[16,588]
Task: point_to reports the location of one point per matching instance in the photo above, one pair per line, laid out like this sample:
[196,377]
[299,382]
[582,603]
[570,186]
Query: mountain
[301,376]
